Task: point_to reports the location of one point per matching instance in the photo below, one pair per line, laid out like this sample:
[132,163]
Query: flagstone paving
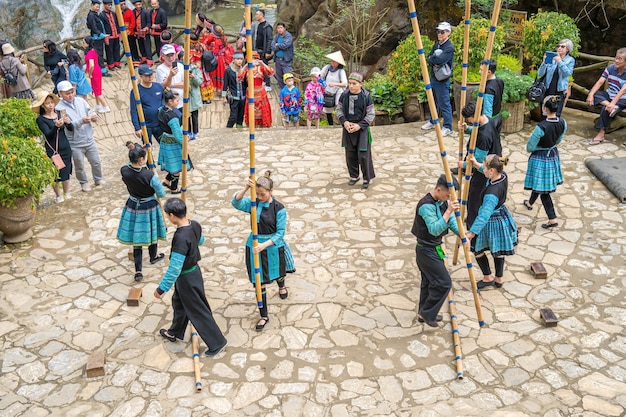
[346,342]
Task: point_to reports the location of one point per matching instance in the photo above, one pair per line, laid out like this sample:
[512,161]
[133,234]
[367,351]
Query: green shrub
[385,94]
[404,67]
[509,62]
[544,31]
[478,34]
[308,54]
[515,85]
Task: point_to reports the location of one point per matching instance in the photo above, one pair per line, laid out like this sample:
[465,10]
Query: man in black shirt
[263,41]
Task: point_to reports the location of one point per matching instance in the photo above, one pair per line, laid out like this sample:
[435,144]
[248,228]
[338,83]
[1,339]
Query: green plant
[510,62]
[356,27]
[478,34]
[308,54]
[25,169]
[385,94]
[404,67]
[515,85]
[543,32]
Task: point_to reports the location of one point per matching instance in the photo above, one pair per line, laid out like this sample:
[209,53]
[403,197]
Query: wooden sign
[514,27]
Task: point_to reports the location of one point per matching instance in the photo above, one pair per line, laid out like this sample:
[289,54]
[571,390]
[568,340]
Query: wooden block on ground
[538,270]
[131,257]
[133,297]
[548,317]
[95,365]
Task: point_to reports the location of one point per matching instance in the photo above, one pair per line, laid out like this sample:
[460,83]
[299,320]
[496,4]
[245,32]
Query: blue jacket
[286,46]
[565,68]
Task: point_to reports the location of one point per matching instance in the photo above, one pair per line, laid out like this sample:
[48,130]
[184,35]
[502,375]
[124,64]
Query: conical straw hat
[337,57]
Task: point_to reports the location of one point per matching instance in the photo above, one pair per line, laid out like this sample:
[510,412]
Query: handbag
[56,157]
[329,100]
[442,72]
[537,91]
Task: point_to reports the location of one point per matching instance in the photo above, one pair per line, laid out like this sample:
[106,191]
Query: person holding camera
[170,74]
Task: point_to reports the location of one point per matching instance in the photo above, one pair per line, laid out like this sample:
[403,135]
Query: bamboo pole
[465,66]
[456,339]
[133,78]
[185,162]
[479,102]
[253,220]
[442,151]
[196,358]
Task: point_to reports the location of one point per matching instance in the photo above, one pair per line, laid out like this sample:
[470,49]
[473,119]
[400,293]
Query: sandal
[261,323]
[158,258]
[164,333]
[283,295]
[528,205]
[596,141]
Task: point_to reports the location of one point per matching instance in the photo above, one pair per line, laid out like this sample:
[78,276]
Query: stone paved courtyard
[346,342]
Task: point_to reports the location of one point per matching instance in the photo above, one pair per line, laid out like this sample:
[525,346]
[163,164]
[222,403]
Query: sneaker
[97,108]
[614,112]
[104,109]
[100,182]
[68,196]
[59,199]
[268,88]
[85,187]
[446,132]
[428,125]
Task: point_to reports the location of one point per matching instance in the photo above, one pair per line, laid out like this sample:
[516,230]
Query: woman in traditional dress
[493,229]
[54,61]
[171,146]
[142,222]
[53,125]
[217,42]
[262,107]
[544,164]
[272,223]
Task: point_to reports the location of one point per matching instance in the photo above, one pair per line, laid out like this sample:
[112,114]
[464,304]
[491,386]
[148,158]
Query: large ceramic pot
[413,110]
[16,222]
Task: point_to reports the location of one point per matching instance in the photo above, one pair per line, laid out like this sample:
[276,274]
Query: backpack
[9,77]
[209,62]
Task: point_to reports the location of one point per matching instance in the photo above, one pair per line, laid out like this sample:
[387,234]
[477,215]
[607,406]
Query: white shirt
[163,71]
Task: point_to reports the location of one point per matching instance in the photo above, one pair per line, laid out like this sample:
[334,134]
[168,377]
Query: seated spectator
[610,99]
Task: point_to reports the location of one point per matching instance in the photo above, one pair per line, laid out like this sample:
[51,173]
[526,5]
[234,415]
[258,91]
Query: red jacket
[129,21]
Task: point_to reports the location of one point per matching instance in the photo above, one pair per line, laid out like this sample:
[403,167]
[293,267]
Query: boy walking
[189,300]
[290,101]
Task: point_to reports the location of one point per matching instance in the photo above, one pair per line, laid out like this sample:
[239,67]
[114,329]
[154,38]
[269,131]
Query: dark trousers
[356,159]
[157,45]
[476,186]
[436,282]
[237,108]
[98,45]
[190,304]
[145,49]
[546,200]
[113,52]
[267,62]
[132,44]
[138,253]
[604,119]
[193,122]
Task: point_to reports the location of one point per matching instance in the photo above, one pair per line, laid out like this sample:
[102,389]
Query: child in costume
[290,101]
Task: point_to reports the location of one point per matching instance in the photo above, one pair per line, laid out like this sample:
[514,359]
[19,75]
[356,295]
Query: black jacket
[264,35]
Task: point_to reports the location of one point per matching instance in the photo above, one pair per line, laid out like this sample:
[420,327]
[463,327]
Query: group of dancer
[490,225]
